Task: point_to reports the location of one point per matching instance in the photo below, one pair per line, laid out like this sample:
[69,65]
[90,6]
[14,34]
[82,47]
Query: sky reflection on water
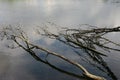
[65,13]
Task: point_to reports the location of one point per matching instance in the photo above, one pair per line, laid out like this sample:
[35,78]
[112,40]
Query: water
[17,64]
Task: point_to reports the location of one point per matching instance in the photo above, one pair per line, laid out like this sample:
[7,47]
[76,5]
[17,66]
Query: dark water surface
[19,65]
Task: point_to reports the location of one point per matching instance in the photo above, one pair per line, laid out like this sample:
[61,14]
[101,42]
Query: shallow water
[17,64]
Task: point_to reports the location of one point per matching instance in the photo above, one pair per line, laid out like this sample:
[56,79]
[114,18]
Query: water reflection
[71,13]
[4,65]
[74,12]
[31,2]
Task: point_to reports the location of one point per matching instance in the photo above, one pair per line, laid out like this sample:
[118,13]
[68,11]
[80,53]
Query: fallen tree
[85,39]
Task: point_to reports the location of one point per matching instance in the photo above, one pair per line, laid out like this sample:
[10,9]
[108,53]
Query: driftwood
[88,40]
[85,72]
[17,35]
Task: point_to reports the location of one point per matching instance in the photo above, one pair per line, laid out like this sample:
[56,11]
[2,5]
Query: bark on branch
[85,72]
[86,39]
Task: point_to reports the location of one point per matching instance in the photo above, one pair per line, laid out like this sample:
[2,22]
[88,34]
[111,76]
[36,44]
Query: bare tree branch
[85,39]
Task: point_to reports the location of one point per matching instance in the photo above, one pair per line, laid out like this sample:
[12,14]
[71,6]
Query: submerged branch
[85,72]
[83,39]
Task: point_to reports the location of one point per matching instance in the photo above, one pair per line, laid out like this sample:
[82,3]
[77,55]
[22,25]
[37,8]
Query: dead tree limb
[85,72]
[89,39]
[17,37]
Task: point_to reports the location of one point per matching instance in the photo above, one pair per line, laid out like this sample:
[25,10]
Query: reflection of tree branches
[88,40]
[33,54]
[18,36]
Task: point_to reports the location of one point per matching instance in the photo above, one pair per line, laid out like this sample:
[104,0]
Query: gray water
[19,65]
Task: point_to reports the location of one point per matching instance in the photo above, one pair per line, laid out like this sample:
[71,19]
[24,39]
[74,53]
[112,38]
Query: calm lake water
[19,65]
